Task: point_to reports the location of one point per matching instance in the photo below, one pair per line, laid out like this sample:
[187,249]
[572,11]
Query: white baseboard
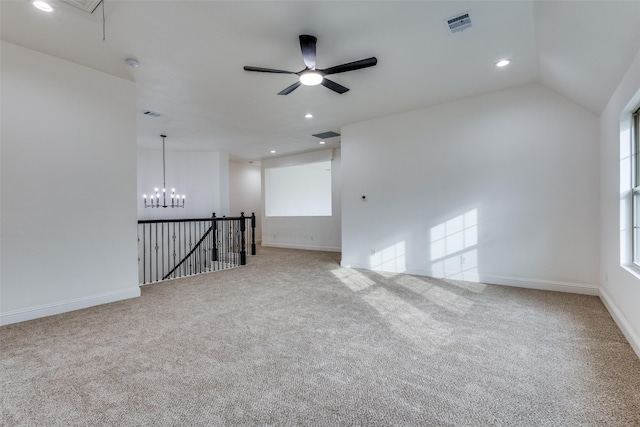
[544,285]
[621,321]
[66,306]
[304,247]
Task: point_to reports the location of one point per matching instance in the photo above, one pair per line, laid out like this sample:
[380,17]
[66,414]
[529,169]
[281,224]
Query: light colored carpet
[294,339]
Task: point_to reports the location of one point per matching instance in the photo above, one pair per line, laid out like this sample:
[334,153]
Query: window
[635,140]
[302,190]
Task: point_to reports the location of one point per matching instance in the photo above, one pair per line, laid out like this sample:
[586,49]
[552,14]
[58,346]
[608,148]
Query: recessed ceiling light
[273,151]
[43,6]
[132,62]
[503,63]
[322,142]
[311,78]
[308,116]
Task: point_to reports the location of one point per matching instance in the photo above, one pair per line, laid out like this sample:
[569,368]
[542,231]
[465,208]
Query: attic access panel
[325,135]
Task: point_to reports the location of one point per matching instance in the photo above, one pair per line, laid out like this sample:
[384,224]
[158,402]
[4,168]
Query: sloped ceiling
[584,48]
[191,55]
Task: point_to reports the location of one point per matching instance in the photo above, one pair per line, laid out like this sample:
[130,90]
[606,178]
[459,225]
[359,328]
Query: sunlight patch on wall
[391,259]
[448,300]
[454,245]
[355,280]
[415,325]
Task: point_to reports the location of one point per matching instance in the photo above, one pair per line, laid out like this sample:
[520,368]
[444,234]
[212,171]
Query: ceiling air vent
[325,135]
[458,23]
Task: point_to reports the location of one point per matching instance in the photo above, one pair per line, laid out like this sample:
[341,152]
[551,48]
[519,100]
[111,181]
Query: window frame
[635,187]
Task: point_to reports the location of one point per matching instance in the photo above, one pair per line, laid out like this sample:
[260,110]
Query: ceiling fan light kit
[311,76]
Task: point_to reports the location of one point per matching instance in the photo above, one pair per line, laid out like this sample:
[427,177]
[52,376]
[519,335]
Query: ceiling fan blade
[267,70]
[308,48]
[356,65]
[334,86]
[290,89]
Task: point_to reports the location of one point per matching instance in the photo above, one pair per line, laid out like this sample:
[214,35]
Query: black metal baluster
[229,242]
[173,240]
[210,246]
[216,231]
[194,258]
[163,250]
[168,250]
[179,243]
[198,257]
[184,245]
[243,253]
[200,260]
[236,242]
[150,255]
[190,258]
[253,233]
[203,249]
[157,263]
[144,255]
[223,244]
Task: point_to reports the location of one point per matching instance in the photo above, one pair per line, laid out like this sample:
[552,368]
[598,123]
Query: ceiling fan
[312,76]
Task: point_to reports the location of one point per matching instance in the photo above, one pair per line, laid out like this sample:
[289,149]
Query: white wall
[245,192]
[202,176]
[68,186]
[498,188]
[311,232]
[620,282]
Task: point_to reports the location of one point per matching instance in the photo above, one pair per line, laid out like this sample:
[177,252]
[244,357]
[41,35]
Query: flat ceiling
[191,55]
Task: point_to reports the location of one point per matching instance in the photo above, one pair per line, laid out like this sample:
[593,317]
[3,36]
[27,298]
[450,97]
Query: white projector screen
[302,190]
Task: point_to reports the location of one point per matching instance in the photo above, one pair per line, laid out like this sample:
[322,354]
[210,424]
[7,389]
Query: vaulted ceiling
[192,53]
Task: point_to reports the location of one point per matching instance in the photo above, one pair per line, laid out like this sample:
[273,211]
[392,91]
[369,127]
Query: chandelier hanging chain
[164,177]
[155,199]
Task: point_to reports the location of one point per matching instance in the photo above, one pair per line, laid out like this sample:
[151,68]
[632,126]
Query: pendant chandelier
[177,201]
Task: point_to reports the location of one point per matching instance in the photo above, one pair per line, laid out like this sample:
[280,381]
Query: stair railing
[173,248]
